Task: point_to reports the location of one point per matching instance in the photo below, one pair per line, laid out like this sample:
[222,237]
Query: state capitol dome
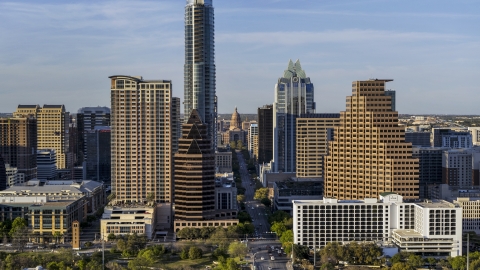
[236,122]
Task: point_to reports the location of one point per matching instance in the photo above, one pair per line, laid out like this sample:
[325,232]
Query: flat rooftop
[436,204]
[408,233]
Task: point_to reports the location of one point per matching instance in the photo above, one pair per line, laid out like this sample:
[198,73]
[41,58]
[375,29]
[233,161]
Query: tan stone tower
[141,139]
[369,154]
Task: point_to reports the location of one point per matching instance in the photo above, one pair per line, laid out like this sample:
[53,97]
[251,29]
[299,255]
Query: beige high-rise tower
[369,154]
[52,130]
[314,131]
[141,139]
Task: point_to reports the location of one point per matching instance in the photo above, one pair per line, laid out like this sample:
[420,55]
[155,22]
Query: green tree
[57,235]
[261,193]
[184,253]
[244,217]
[111,237]
[239,145]
[267,202]
[475,264]
[401,266]
[333,252]
[151,197]
[240,198]
[458,262]
[237,249]
[17,224]
[415,260]
[432,262]
[195,253]
[279,228]
[140,263]
[233,145]
[111,197]
[228,264]
[279,216]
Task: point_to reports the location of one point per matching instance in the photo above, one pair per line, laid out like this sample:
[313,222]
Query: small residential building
[430,228]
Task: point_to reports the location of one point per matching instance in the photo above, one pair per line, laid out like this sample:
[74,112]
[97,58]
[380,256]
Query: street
[261,246]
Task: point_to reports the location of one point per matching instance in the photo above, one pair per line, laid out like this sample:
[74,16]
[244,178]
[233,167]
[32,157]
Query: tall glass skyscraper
[199,69]
[293,97]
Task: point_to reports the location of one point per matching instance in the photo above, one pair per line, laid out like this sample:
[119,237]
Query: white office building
[252,132]
[431,228]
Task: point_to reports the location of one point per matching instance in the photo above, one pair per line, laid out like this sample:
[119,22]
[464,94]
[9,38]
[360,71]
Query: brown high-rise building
[141,160]
[194,172]
[18,144]
[314,131]
[265,134]
[369,154]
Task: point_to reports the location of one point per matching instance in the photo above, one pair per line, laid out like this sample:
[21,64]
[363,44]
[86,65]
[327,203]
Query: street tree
[261,193]
[237,249]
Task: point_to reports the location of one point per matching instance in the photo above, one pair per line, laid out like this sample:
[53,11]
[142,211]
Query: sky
[63,51]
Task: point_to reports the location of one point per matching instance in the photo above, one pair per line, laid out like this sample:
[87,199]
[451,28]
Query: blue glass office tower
[293,97]
[199,69]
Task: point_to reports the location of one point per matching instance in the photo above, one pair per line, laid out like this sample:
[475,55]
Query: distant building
[14,178]
[18,144]
[235,133]
[470,213]
[265,134]
[445,137]
[98,164]
[314,131]
[421,139]
[52,130]
[287,191]
[3,175]
[475,131]
[430,168]
[460,167]
[252,132]
[87,119]
[294,96]
[46,164]
[223,162]
[225,197]
[432,228]
[176,123]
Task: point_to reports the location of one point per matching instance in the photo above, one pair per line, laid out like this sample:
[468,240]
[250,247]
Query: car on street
[262,258]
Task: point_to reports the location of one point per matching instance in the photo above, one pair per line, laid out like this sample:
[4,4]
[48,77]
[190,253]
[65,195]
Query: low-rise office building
[287,191]
[430,228]
[223,161]
[47,219]
[91,191]
[128,220]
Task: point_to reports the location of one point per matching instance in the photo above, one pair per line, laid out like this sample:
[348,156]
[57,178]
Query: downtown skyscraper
[369,155]
[141,139]
[199,69]
[294,96]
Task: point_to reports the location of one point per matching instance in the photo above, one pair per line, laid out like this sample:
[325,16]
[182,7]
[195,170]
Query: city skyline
[57,50]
